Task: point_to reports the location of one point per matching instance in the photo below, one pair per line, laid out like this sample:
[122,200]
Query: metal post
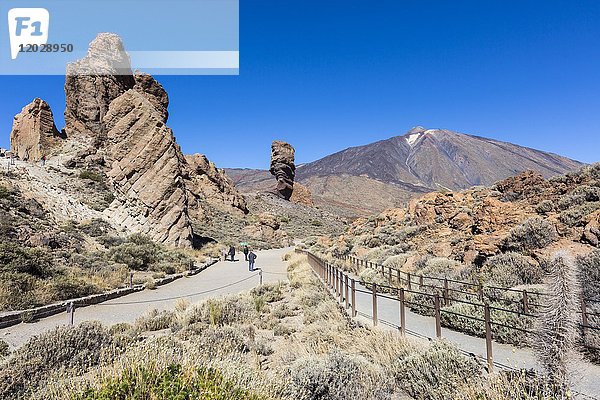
[402,312]
[488,338]
[71,313]
[525,302]
[374,290]
[353,298]
[347,299]
[131,279]
[438,317]
[408,280]
[260,276]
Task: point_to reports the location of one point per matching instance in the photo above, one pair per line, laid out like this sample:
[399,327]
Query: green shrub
[155,321]
[91,175]
[219,312]
[17,258]
[511,269]
[575,216]
[138,382]
[96,227]
[435,372]
[76,347]
[534,233]
[544,207]
[5,193]
[68,287]
[337,376]
[4,349]
[589,274]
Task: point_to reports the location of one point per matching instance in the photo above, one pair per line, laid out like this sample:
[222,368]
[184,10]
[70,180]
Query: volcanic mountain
[366,179]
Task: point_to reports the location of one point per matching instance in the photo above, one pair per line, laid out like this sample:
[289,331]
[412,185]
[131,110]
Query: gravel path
[220,279]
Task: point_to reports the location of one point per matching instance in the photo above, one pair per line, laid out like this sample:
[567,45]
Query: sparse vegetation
[534,233]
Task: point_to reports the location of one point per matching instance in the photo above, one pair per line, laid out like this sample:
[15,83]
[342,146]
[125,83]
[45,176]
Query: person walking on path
[224,254]
[246,251]
[232,252]
[251,260]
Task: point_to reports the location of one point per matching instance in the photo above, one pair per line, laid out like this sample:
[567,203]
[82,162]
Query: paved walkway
[587,380]
[220,279]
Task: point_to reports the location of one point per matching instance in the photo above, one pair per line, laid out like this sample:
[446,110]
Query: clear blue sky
[326,75]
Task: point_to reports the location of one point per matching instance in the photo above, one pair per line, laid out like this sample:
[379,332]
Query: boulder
[34,133]
[283,168]
[302,195]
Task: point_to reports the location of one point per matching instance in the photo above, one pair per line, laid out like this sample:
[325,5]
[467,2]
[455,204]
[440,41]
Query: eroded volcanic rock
[34,134]
[154,92]
[283,168]
[210,186]
[146,169]
[93,82]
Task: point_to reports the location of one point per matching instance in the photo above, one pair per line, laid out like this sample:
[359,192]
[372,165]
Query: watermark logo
[28,27]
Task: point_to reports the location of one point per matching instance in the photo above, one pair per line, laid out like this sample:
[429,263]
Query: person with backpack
[251,259]
[232,252]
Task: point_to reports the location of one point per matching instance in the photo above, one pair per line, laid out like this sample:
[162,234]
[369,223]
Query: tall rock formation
[283,168]
[93,82]
[34,134]
[146,168]
[117,120]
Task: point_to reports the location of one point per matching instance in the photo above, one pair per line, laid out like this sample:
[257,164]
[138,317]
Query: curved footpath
[220,279]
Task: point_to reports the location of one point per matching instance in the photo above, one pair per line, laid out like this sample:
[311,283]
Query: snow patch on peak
[411,139]
[430,131]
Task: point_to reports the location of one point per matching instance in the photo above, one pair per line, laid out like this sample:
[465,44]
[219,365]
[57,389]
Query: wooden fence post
[584,316]
[488,338]
[402,312]
[438,317]
[421,282]
[446,293]
[408,281]
[389,276]
[480,292]
[341,287]
[347,299]
[399,277]
[353,298]
[374,290]
[525,302]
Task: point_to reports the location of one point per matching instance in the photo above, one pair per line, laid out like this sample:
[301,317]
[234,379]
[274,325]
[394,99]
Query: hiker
[246,251]
[224,254]
[232,252]
[43,161]
[251,259]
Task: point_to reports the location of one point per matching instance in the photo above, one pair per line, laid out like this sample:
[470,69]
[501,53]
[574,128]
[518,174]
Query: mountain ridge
[419,161]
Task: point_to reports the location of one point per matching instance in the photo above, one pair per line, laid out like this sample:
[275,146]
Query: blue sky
[326,75]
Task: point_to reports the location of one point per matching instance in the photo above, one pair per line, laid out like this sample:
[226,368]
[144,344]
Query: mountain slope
[367,179]
[438,159]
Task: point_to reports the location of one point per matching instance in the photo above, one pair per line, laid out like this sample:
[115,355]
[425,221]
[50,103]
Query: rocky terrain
[368,179]
[113,192]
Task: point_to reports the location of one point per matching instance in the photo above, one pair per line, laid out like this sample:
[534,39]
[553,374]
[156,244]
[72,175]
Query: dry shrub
[438,371]
[534,233]
[76,348]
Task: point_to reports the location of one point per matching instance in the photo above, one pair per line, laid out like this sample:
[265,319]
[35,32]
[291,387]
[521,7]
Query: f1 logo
[27,26]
